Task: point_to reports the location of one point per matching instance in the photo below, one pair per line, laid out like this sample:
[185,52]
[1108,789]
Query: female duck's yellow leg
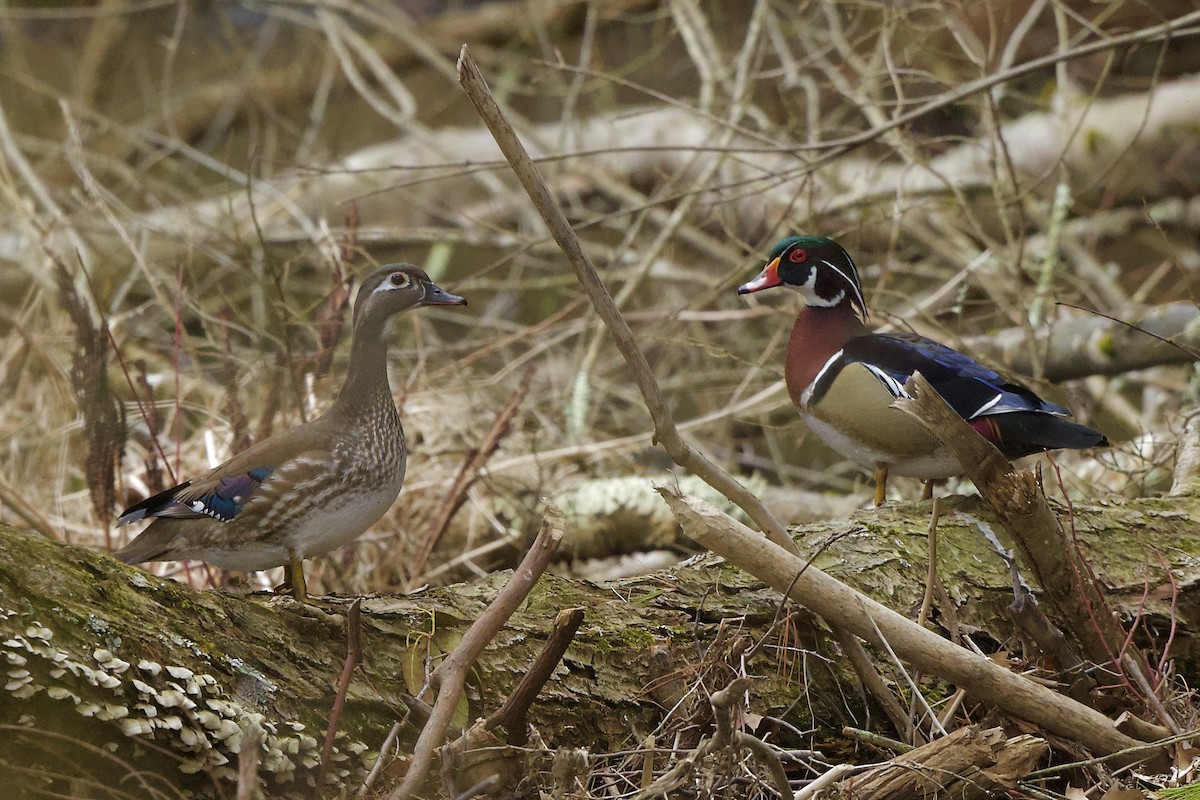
[881,473]
[293,578]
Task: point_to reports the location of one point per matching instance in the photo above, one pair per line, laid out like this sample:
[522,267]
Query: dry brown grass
[221,277]
[203,180]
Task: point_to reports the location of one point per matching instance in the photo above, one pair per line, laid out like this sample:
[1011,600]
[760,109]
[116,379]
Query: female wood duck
[843,378]
[310,489]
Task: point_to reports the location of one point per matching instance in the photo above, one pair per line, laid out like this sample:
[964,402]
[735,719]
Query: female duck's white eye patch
[397,280]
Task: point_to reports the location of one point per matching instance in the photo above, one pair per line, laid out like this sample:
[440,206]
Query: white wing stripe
[987,406]
[807,393]
[894,386]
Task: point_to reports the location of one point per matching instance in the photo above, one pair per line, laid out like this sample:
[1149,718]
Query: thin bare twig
[13,498]
[467,475]
[450,676]
[913,679]
[388,742]
[931,575]
[1024,512]
[725,736]
[511,715]
[664,425]
[353,657]
[825,781]
[874,684]
[844,607]
[508,725]
[878,741]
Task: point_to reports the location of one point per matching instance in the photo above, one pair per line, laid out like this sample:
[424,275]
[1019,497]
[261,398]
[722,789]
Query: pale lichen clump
[172,705]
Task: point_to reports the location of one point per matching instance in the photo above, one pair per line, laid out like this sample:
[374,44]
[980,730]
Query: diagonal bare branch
[664,424]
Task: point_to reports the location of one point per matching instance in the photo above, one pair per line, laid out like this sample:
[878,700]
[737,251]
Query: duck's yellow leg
[293,578]
[881,473]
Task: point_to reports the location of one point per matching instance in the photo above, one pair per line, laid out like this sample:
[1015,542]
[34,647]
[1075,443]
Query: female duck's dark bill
[766,279]
[437,296]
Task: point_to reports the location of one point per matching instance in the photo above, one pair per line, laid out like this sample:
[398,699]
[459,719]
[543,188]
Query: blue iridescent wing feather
[223,501]
[969,387]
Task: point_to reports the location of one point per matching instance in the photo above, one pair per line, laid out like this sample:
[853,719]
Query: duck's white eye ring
[400,279]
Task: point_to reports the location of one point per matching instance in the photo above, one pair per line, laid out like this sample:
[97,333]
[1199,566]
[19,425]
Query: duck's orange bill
[766,279]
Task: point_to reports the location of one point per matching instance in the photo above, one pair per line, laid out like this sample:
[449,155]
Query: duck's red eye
[798,256]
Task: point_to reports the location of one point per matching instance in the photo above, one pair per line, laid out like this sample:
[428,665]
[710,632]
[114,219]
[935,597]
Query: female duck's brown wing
[224,491]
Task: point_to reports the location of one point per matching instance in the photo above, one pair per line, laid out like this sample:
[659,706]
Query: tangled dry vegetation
[191,190]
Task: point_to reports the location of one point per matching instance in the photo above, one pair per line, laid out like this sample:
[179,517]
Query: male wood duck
[843,378]
[310,489]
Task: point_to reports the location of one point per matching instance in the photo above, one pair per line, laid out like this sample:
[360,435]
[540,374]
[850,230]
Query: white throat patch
[809,293]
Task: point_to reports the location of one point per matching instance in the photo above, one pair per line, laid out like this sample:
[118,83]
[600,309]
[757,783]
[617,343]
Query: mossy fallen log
[131,683]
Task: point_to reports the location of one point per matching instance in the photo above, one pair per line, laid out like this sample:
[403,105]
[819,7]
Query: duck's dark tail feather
[151,506]
[1023,433]
[152,544]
